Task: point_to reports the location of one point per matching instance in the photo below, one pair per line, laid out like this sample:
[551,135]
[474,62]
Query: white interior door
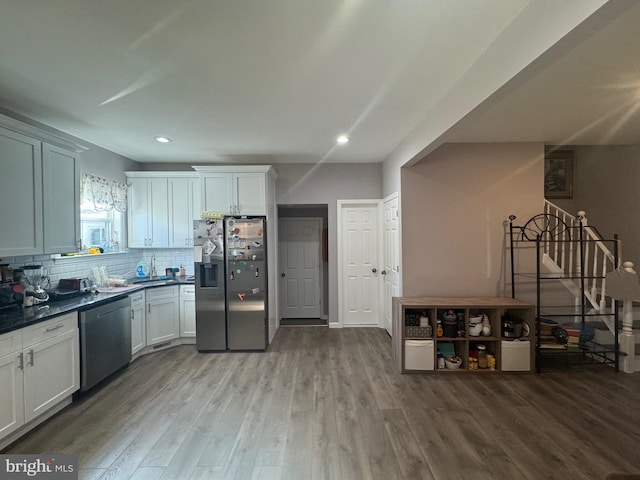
[359,264]
[391,257]
[300,293]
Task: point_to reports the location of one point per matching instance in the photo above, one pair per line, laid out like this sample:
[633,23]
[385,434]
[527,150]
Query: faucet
[153,265]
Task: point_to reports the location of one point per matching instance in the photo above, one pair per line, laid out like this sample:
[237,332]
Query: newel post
[627,339]
[627,305]
[582,215]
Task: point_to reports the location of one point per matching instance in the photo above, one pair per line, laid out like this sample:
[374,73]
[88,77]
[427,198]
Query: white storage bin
[516,356]
[418,354]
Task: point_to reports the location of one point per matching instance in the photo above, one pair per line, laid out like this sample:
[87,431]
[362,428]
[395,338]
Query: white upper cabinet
[61,194]
[148,212]
[20,195]
[217,191]
[239,190]
[39,191]
[184,207]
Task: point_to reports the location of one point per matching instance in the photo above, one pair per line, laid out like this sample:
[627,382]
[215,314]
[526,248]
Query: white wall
[326,184]
[536,30]
[606,188]
[454,203]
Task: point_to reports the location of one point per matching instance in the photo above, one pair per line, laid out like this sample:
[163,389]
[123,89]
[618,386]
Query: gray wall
[103,163]
[454,203]
[326,184]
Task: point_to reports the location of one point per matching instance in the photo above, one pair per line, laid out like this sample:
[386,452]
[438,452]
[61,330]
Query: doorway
[303,264]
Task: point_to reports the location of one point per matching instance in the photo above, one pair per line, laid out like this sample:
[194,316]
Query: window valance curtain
[102,194]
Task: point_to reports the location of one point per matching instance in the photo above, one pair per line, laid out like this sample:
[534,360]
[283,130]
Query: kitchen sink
[158,279]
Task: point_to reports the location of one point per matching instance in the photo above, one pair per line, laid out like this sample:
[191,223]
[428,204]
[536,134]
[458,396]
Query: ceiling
[249,81]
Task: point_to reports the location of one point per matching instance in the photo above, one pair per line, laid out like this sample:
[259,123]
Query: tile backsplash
[118,264]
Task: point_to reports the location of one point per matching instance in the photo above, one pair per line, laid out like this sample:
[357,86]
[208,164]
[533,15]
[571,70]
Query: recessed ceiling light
[342,139]
[163,139]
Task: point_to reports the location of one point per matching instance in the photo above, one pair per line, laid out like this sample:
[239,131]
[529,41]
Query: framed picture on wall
[558,174]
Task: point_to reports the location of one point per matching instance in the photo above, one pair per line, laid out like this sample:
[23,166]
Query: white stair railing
[598,258]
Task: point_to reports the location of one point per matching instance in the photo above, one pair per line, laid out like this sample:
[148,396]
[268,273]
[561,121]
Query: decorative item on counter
[182,272]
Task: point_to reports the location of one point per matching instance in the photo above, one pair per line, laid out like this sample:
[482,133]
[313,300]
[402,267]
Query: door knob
[374,270]
[283,274]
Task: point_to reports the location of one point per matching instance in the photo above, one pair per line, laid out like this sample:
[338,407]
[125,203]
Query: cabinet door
[61,193]
[195,204]
[137,213]
[217,189]
[138,328]
[51,373]
[184,207]
[20,195]
[250,194]
[187,311]
[158,213]
[162,319]
[11,393]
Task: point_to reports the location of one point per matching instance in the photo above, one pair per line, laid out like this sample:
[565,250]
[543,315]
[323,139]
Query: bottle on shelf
[483,361]
[439,331]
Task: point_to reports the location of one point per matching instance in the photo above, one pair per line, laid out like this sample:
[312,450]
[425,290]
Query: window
[102,208]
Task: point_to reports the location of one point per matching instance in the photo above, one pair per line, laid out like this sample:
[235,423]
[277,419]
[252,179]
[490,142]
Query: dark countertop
[18,317]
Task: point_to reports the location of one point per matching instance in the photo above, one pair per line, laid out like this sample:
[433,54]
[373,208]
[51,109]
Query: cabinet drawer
[10,342]
[188,292]
[49,329]
[161,292]
[137,298]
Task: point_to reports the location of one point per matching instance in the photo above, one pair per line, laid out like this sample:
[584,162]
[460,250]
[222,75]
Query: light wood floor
[328,404]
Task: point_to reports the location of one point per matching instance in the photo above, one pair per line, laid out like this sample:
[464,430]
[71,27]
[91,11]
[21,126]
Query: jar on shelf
[483,360]
[492,361]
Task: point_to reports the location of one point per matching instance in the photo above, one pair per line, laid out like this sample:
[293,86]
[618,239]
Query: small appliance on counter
[34,281]
[69,288]
[77,284]
[10,296]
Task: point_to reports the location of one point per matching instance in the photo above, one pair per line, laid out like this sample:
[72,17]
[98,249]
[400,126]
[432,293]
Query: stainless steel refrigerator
[231,284]
[211,329]
[246,283]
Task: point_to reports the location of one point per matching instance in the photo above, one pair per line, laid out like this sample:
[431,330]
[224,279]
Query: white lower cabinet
[138,323]
[163,314]
[188,311]
[12,380]
[39,368]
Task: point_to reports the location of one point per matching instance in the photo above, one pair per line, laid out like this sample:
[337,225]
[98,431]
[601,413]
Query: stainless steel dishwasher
[105,341]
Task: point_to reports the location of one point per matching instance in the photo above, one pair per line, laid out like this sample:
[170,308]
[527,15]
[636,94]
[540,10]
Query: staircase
[596,263]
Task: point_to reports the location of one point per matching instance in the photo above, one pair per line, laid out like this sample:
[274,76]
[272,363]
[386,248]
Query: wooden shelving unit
[463,343]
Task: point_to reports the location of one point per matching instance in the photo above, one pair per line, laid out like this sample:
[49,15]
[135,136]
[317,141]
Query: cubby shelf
[494,308]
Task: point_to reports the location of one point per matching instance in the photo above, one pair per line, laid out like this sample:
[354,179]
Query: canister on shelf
[483,362]
[492,362]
